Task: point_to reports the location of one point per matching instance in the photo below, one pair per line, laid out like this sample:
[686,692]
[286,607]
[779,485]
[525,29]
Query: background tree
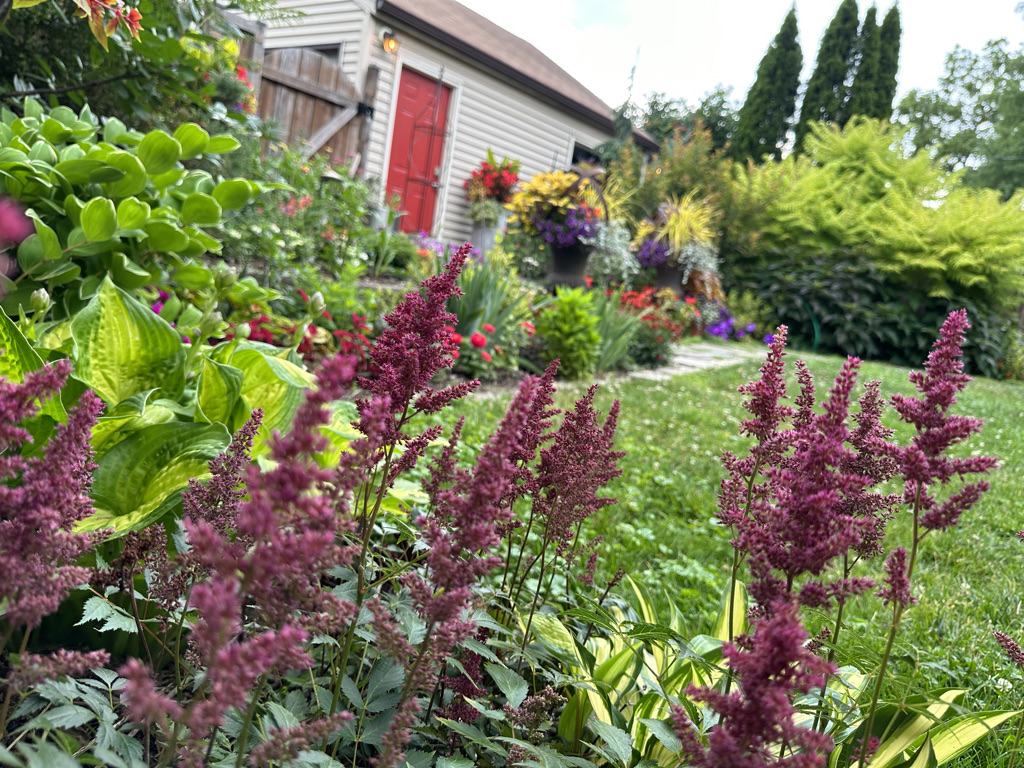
[888,61]
[766,115]
[828,89]
[956,122]
[865,97]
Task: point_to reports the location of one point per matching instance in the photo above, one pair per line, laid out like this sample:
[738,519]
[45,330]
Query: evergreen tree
[828,89]
[865,98]
[888,62]
[766,116]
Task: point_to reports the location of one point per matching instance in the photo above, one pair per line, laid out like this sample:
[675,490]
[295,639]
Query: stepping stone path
[689,358]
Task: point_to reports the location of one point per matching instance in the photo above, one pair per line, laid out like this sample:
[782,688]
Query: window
[582,154]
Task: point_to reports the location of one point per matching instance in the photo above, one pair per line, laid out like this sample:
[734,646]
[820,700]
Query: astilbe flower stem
[1016,656]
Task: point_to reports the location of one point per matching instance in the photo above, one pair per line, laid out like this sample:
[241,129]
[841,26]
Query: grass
[662,531]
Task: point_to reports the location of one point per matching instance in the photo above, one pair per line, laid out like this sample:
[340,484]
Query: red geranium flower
[478,340]
[489,328]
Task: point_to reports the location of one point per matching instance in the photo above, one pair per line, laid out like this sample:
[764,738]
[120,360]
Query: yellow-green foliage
[858,189]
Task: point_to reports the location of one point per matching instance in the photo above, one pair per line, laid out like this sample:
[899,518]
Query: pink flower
[456,338]
[489,328]
[486,356]
[15,226]
[478,340]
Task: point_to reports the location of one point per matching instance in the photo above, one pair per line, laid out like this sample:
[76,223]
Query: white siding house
[472,84]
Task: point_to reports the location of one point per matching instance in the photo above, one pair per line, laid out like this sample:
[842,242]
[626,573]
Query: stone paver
[689,358]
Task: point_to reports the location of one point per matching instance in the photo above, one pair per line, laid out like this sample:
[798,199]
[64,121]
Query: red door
[417,145]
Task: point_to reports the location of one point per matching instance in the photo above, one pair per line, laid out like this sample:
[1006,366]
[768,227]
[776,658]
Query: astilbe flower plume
[41,500]
[265,566]
[769,666]
[922,462]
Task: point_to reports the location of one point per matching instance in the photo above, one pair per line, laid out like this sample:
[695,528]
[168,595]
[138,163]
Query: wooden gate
[312,102]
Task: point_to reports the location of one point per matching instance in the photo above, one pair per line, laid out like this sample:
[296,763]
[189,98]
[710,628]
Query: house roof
[468,32]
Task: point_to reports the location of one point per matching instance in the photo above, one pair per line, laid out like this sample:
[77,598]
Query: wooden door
[417,147]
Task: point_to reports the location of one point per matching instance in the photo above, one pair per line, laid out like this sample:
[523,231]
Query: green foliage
[827,92]
[115,203]
[956,122]
[888,61]
[316,219]
[492,295]
[865,96]
[766,115]
[617,328]
[857,189]
[568,330]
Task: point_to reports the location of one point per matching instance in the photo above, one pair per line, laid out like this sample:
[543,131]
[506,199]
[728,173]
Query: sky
[685,48]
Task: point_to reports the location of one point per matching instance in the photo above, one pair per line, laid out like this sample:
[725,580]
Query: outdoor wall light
[389,42]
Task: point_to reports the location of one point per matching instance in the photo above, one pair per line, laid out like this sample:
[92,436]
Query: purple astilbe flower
[923,462]
[897,580]
[1011,648]
[265,566]
[572,471]
[755,720]
[41,500]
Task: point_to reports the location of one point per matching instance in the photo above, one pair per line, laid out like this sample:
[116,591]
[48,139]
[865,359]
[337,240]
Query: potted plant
[563,208]
[678,242]
[488,189]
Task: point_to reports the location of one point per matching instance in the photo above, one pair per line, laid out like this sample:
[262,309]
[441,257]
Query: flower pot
[568,265]
[484,236]
[667,276]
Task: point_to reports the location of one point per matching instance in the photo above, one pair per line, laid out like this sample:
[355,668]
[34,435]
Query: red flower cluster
[477,340]
[651,314]
[492,180]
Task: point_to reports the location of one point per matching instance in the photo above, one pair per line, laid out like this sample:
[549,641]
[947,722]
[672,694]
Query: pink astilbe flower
[41,500]
[897,580]
[1011,648]
[578,463]
[284,744]
[32,669]
[261,561]
[757,718]
[923,462]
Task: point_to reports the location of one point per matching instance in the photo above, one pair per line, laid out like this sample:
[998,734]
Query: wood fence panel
[311,100]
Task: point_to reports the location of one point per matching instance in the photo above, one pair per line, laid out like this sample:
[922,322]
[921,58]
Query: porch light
[389,43]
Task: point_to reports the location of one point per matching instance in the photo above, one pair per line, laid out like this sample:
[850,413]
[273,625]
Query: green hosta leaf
[739,614]
[134,180]
[619,743]
[113,129]
[217,391]
[193,277]
[132,213]
[99,219]
[30,254]
[158,152]
[232,194]
[123,347]
[912,725]
[512,685]
[952,739]
[555,637]
[222,144]
[923,758]
[275,385]
[193,140]
[20,358]
[140,479]
[201,209]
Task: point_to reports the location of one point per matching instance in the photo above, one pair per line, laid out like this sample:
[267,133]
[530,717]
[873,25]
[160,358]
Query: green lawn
[661,531]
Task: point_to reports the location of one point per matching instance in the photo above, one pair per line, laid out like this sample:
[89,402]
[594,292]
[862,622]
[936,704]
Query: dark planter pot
[667,276]
[568,265]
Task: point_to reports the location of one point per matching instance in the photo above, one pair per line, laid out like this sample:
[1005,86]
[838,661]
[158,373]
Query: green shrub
[568,328]
[114,203]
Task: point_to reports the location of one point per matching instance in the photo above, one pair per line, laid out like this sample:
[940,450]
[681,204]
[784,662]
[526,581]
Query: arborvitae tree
[888,62]
[766,116]
[828,89]
[864,94]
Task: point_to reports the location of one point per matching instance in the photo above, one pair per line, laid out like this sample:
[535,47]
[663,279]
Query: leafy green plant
[617,328]
[111,203]
[568,328]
